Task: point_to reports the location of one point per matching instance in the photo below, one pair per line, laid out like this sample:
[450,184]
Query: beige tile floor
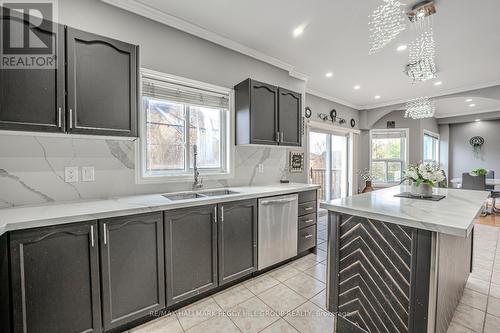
[289,299]
[292,298]
[479,308]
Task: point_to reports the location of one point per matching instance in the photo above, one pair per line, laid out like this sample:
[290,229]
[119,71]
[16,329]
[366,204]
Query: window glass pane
[165,136]
[379,171]
[386,149]
[428,148]
[205,132]
[317,158]
[394,171]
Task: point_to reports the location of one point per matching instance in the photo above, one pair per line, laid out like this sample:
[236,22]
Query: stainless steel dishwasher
[278,224]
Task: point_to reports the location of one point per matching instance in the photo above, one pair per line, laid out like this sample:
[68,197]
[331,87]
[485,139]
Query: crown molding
[462,114]
[332,98]
[195,30]
[440,94]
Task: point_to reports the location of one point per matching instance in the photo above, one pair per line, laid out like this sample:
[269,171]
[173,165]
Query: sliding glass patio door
[328,163]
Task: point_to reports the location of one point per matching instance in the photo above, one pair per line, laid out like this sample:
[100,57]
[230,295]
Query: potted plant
[479,172]
[367,178]
[423,178]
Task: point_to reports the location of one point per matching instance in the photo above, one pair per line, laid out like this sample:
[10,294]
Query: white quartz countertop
[453,215]
[25,217]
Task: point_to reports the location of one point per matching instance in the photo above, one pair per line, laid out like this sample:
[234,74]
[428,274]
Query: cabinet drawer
[307,220]
[307,238]
[307,208]
[307,196]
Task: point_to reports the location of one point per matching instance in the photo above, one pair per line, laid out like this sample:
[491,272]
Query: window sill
[182,178]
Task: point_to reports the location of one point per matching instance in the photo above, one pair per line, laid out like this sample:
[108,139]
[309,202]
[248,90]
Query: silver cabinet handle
[269,202]
[308,221]
[282,139]
[105,234]
[277,137]
[70,118]
[308,208]
[215,214]
[92,235]
[59,117]
[221,214]
[308,236]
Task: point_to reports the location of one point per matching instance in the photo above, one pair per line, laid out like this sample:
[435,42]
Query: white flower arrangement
[424,173]
[366,175]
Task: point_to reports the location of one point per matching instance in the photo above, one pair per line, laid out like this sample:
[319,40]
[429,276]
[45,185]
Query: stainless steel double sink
[198,195]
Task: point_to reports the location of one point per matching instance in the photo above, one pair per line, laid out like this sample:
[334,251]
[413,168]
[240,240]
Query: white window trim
[140,147]
[406,152]
[436,135]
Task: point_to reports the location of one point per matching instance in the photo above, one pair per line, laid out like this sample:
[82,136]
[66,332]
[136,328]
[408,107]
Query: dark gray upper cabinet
[55,279]
[33,99]
[261,119]
[290,117]
[132,266]
[190,251]
[256,113]
[237,239]
[102,85]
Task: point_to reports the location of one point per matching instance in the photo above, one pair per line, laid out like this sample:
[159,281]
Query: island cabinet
[55,279]
[190,252]
[267,115]
[132,266]
[237,239]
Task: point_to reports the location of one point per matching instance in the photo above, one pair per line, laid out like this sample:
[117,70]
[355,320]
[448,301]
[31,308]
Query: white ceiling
[336,39]
[457,106]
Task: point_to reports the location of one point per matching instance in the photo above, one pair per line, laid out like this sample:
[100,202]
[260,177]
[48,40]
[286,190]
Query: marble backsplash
[32,169]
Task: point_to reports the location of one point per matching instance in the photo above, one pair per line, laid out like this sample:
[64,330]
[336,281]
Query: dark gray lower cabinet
[55,279]
[237,239]
[132,266]
[190,252]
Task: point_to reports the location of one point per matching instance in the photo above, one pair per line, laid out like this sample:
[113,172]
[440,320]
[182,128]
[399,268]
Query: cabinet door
[290,107]
[102,85]
[55,279]
[263,113]
[190,252]
[132,266]
[33,99]
[237,239]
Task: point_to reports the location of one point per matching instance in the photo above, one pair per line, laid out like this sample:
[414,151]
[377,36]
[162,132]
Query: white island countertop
[24,217]
[453,215]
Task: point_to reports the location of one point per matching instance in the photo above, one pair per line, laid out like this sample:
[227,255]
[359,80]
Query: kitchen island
[398,264]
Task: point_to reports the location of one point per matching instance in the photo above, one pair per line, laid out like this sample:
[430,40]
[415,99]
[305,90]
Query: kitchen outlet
[88,174]
[71,174]
[261,168]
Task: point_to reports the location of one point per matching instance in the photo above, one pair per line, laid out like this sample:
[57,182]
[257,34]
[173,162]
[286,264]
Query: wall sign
[296,161]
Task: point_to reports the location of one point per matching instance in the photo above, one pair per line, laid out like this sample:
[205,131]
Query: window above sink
[176,114]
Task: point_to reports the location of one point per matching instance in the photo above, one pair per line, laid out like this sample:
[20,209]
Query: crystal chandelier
[421,55]
[418,108]
[387,21]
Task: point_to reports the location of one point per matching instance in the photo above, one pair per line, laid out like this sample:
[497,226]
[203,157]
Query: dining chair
[494,194]
[470,182]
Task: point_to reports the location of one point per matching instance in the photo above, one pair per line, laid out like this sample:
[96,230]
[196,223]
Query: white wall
[32,168]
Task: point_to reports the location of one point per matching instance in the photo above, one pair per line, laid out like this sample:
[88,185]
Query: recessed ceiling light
[477,120]
[357,87]
[329,74]
[438,83]
[401,48]
[298,31]
[472,105]
[468,100]
[377,97]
